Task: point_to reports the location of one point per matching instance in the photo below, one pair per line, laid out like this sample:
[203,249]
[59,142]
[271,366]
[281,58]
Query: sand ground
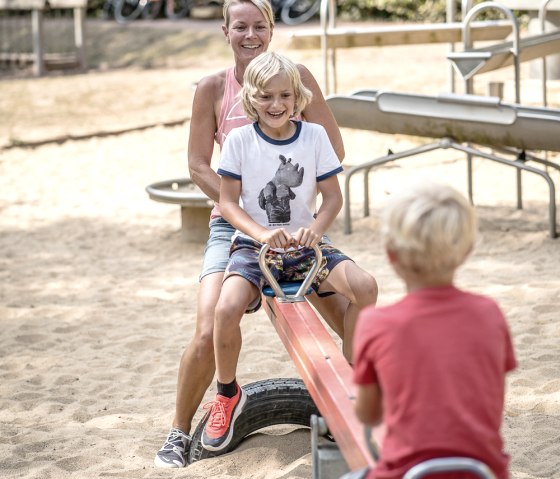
[98,292]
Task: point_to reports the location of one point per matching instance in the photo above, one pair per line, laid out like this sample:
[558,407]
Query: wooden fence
[48,35]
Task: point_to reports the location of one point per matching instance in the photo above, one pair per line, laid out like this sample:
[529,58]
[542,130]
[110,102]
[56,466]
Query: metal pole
[332,24]
[37,33]
[516,62]
[79,36]
[451,11]
[324,44]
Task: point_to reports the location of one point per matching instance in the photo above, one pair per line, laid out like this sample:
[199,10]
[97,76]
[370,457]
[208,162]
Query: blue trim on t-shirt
[272,141]
[329,174]
[228,173]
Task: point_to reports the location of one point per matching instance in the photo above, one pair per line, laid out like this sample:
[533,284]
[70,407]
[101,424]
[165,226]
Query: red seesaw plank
[326,374]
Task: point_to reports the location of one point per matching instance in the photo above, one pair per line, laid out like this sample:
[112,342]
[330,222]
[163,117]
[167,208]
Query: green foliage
[405,10]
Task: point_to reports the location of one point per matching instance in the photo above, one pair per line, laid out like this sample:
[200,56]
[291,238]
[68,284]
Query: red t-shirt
[439,356]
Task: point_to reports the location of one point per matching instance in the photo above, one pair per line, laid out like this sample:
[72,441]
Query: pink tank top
[232,116]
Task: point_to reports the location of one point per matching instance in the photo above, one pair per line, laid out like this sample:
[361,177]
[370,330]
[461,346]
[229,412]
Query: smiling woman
[216,110]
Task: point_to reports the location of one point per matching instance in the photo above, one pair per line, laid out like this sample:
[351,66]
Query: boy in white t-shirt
[275,166]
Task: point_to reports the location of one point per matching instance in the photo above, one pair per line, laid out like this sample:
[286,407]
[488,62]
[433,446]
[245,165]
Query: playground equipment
[195,206]
[474,61]
[327,377]
[544,16]
[455,120]
[26,39]
[450,464]
[329,37]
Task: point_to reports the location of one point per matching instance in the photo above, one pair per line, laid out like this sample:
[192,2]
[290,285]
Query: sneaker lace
[217,416]
[176,441]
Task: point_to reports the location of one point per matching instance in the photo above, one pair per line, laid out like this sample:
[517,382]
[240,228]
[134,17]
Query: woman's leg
[197,366]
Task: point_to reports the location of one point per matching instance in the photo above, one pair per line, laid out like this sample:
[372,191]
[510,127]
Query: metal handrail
[280,294]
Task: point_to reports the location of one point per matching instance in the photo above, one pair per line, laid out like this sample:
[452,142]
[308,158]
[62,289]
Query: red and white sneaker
[221,419]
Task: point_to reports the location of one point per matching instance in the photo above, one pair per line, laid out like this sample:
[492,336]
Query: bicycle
[125,11]
[295,12]
[290,12]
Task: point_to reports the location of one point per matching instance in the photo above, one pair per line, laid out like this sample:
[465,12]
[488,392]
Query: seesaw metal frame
[449,143]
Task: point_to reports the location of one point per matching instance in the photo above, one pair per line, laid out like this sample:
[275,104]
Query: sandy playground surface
[98,288]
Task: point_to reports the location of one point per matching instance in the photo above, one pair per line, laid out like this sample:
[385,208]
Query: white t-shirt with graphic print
[279,177]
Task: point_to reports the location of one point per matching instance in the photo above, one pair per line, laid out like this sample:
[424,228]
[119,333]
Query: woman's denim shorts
[216,253]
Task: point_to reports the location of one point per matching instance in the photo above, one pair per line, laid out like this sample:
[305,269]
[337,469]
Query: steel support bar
[326,374]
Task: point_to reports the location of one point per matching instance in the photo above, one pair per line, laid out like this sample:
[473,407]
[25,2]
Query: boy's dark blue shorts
[288,266]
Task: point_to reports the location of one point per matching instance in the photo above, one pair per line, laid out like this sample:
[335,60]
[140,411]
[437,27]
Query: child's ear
[391,255]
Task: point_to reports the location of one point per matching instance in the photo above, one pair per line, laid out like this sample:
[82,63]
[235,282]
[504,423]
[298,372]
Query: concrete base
[195,206]
[194,223]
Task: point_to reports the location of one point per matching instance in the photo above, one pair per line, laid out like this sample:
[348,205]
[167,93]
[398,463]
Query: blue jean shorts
[216,253]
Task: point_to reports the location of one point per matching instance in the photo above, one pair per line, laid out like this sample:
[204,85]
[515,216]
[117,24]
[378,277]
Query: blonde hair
[260,71]
[263,5]
[431,227]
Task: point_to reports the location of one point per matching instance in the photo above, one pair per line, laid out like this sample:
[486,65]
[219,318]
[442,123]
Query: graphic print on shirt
[275,197]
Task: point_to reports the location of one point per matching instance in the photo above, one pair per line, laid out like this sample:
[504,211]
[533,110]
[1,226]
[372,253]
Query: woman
[248,29]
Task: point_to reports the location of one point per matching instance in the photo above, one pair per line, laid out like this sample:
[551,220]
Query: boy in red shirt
[432,366]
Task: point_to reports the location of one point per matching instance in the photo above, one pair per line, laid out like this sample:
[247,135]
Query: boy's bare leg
[332,309]
[359,287]
[237,293]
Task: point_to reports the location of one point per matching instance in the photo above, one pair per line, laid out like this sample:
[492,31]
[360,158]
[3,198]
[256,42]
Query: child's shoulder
[313,127]
[240,132]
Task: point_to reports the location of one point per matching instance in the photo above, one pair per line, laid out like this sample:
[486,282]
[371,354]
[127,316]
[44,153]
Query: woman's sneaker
[221,419]
[174,450]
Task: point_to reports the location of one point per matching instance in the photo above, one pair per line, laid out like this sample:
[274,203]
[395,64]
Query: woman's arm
[203,127]
[319,112]
[368,404]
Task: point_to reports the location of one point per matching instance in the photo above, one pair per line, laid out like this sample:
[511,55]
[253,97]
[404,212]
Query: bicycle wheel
[175,9]
[269,402]
[152,9]
[295,12]
[128,10]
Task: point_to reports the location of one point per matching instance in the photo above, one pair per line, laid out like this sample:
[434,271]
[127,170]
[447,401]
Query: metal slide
[456,121]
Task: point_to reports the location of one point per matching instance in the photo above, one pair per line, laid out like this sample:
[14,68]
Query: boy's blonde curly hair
[260,71]
[431,227]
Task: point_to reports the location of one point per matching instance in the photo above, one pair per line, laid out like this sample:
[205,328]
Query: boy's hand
[307,237]
[277,238]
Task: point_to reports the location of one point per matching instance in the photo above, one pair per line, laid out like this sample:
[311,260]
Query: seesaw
[458,121]
[329,392]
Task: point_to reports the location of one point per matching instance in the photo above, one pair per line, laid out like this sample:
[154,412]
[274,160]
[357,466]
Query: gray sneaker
[174,450]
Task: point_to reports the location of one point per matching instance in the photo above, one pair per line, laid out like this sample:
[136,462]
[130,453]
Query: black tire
[295,12]
[128,10]
[152,9]
[178,8]
[269,402]
[107,11]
